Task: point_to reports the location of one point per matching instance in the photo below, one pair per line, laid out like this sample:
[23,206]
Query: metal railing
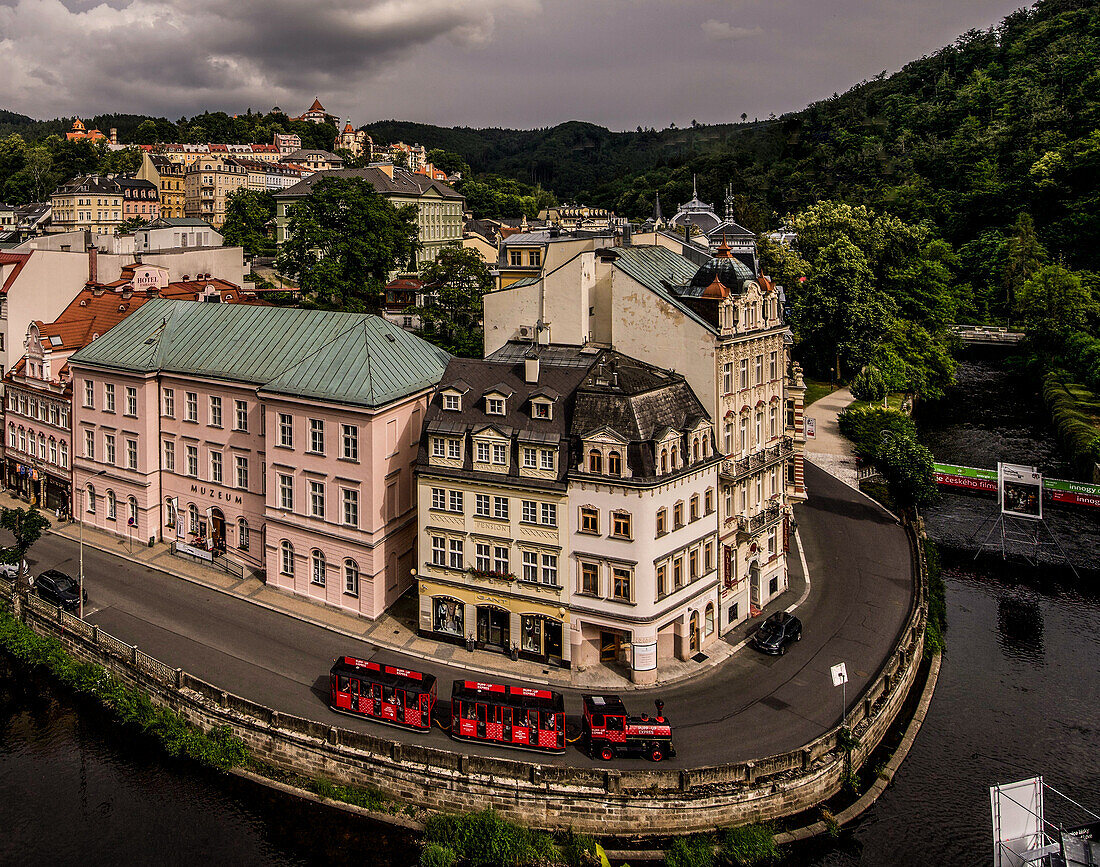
[755,523]
[735,468]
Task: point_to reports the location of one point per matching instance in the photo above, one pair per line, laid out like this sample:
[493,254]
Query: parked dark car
[777,632]
[60,589]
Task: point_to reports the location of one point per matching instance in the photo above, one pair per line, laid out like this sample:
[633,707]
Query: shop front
[37,486]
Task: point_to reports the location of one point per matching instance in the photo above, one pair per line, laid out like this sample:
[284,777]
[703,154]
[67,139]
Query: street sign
[130,522]
[811,428]
[839,673]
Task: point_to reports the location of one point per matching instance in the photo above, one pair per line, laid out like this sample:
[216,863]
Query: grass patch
[483,840]
[366,797]
[815,390]
[749,845]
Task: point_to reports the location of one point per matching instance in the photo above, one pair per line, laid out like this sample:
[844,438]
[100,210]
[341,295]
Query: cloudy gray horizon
[479,63]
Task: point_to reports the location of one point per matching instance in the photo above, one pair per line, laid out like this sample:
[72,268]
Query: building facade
[207,184]
[275,439]
[168,176]
[140,199]
[91,203]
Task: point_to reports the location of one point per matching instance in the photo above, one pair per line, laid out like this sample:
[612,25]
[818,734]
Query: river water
[1019,694]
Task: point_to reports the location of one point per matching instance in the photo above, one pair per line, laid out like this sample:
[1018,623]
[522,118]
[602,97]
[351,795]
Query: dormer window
[614,464]
[595,461]
[494,405]
[540,409]
[452,402]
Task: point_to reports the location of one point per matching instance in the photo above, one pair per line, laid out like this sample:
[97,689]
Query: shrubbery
[864,425]
[483,840]
[1077,430]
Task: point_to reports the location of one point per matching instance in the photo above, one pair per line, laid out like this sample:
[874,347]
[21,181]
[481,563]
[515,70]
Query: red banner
[987,485]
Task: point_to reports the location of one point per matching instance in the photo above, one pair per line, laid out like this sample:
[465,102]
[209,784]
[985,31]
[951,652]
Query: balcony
[751,525]
[735,469]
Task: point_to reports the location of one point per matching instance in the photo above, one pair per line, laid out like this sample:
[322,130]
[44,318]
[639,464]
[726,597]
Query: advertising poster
[1021,491]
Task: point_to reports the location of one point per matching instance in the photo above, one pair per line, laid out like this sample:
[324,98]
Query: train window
[388,694]
[342,683]
[597,720]
[470,710]
[399,697]
[353,686]
[482,713]
[546,721]
[614,723]
[527,718]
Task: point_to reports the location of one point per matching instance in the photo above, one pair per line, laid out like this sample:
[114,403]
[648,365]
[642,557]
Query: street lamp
[83,490]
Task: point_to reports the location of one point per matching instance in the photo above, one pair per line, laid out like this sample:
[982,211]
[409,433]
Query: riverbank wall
[596,800]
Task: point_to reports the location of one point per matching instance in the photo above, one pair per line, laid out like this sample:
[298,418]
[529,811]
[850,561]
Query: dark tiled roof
[402,183]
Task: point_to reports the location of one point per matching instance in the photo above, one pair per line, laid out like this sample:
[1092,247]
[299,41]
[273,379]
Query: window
[241,463]
[515,257]
[89,394]
[530,512]
[662,580]
[773,367]
[454,549]
[91,500]
[317,573]
[530,458]
[678,515]
[664,460]
[215,411]
[168,402]
[620,583]
[744,433]
[11,435]
[286,491]
[549,514]
[773,421]
[286,431]
[662,521]
[744,373]
[317,499]
[494,405]
[439,551]
[727,438]
[693,509]
[550,569]
[708,501]
[439,498]
[351,507]
[614,464]
[693,564]
[759,428]
[481,504]
[482,562]
[483,453]
[242,534]
[438,447]
[349,436]
[500,454]
[759,369]
[452,402]
[131,400]
[620,526]
[351,578]
[540,409]
[112,506]
[131,454]
[317,436]
[500,508]
[678,572]
[53,450]
[109,448]
[241,415]
[530,566]
[546,459]
[590,519]
[287,566]
[500,559]
[708,558]
[454,449]
[132,510]
[108,397]
[191,410]
[727,377]
[590,579]
[595,461]
[454,501]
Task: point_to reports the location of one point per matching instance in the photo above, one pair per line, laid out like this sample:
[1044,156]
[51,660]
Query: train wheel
[656,754]
[607,754]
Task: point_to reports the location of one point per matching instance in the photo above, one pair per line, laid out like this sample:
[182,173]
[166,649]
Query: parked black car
[777,632]
[60,589]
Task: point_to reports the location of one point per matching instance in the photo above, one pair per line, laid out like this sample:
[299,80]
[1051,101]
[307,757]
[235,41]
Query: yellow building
[168,176]
[88,202]
[207,183]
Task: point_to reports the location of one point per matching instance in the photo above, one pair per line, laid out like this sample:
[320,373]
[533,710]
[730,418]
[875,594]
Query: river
[1019,694]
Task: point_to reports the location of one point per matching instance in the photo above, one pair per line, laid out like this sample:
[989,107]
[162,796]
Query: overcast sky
[512,63]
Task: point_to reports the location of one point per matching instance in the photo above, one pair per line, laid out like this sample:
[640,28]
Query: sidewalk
[395,630]
[830,449]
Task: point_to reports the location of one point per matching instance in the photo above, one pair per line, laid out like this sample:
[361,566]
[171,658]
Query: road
[751,706]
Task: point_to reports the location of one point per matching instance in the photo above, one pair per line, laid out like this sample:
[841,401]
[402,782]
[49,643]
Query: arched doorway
[217,530]
[693,632]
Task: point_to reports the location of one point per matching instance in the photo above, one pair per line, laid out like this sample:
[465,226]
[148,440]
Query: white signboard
[1020,490]
[201,553]
[1017,821]
[811,428]
[645,656]
[839,673]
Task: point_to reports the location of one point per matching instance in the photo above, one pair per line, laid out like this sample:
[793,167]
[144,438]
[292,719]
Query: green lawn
[893,401]
[816,390]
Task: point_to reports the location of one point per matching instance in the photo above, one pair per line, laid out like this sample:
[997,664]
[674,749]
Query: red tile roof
[17,259]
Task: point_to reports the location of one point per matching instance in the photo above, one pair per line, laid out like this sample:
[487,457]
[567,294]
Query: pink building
[261,438]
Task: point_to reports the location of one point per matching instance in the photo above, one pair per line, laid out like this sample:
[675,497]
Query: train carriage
[396,696]
[609,731]
[512,716]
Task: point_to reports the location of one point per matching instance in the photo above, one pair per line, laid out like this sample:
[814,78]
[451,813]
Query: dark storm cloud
[476,62]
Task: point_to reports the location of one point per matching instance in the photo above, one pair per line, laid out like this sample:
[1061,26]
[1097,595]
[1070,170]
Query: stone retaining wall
[593,800]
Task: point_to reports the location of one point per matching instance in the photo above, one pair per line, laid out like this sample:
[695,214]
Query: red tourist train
[512,716]
[609,731]
[391,695]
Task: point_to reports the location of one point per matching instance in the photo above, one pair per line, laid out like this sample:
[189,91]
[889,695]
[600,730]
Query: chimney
[531,368]
[114,136]
[93,264]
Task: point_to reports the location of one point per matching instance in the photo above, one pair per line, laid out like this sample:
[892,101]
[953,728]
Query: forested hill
[1003,121]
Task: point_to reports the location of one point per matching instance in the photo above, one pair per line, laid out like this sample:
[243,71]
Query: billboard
[1020,490]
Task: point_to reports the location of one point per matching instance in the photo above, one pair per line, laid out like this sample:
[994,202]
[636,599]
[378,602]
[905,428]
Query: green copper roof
[655,266]
[341,357]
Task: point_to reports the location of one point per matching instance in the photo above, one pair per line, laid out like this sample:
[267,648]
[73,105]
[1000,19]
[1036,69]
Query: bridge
[987,335]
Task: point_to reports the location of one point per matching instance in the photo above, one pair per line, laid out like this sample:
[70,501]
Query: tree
[247,214]
[26,525]
[38,163]
[869,385]
[451,317]
[909,471]
[345,241]
[1024,255]
[401,159]
[1054,303]
[448,162]
[146,133]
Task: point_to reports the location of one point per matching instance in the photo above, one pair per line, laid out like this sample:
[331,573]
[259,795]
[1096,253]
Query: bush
[579,850]
[868,385]
[864,425]
[935,629]
[1077,429]
[749,845]
[435,855]
[694,851]
[486,840]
